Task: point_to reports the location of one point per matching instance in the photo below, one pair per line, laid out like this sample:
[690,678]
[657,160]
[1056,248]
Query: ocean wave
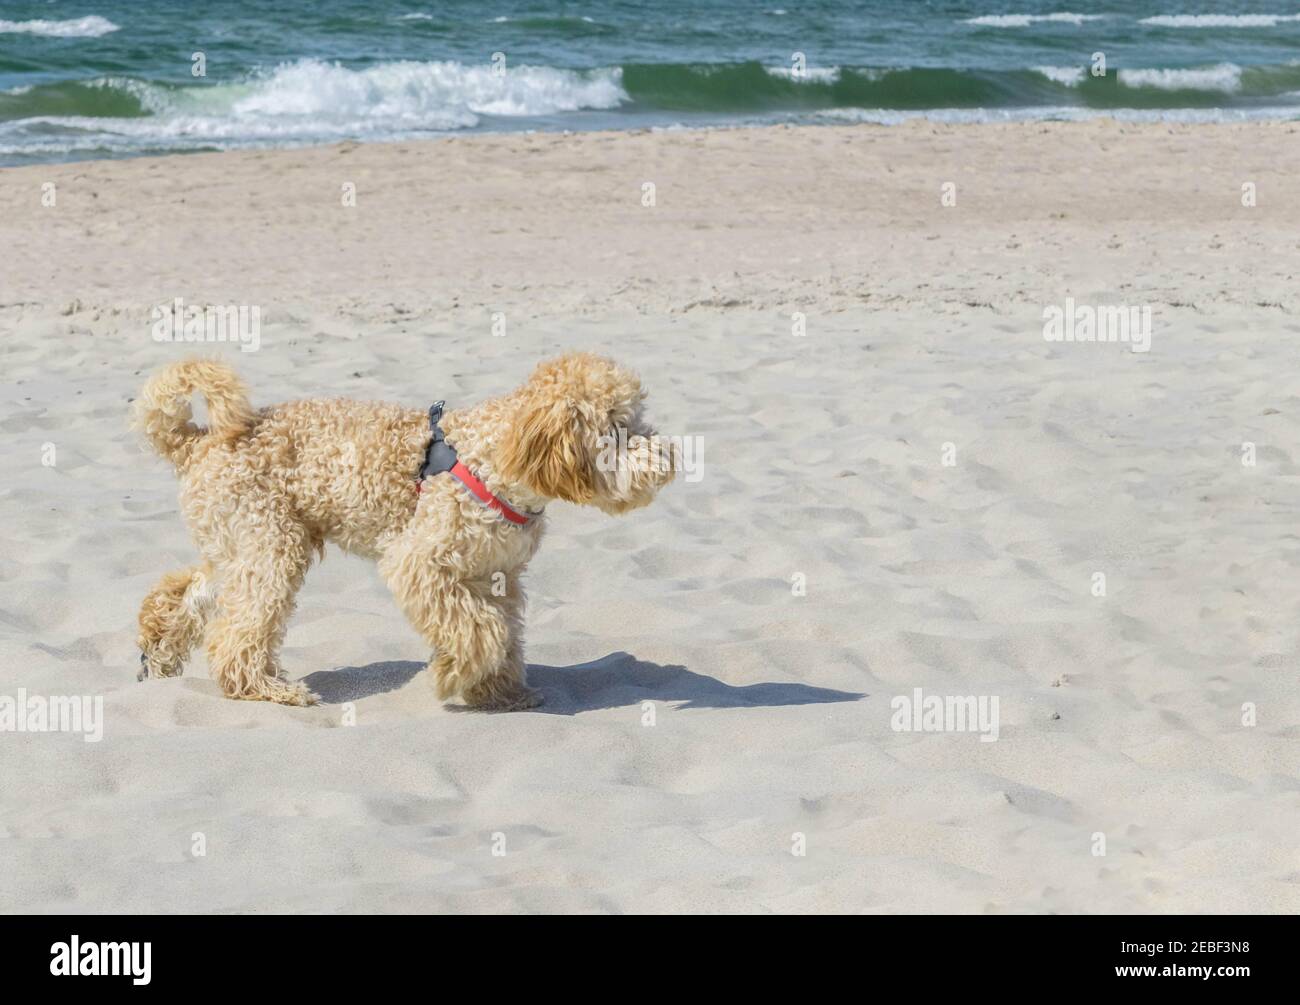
[409,91]
[303,102]
[82,27]
[751,88]
[311,95]
[1025,20]
[1219,20]
[317,102]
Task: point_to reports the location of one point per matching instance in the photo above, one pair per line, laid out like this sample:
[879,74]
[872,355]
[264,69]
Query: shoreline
[829,119]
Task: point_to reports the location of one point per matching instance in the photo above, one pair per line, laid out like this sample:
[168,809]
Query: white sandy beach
[1120,715]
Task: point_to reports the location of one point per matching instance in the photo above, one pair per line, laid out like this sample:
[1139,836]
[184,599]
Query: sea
[120,78]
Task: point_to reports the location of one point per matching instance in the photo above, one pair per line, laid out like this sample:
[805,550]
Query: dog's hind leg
[172,619]
[257,599]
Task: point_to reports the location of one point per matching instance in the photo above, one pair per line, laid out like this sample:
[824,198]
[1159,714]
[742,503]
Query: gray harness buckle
[440,456]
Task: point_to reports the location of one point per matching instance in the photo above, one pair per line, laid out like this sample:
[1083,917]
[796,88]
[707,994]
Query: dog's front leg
[476,635]
[504,687]
[479,653]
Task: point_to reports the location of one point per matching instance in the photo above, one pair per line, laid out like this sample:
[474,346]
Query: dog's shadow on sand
[614,681]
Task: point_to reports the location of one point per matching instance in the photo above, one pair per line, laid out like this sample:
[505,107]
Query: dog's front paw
[525,697]
[278,690]
[284,692]
[514,700]
[150,670]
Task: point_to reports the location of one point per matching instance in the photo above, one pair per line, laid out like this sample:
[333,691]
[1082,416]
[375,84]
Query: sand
[939,482]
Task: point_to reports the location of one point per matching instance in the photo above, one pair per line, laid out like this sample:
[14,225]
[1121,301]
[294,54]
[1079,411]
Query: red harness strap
[480,492]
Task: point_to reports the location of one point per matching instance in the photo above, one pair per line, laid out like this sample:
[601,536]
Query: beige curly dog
[262,491]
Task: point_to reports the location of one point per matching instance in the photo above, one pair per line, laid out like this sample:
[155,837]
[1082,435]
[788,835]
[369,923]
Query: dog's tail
[163,413]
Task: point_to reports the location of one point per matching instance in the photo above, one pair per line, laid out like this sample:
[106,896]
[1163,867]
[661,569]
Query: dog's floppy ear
[546,449]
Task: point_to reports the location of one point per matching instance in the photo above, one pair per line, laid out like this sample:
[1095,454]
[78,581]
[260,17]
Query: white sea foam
[409,91]
[1225,77]
[810,75]
[1219,20]
[1070,76]
[82,27]
[1025,20]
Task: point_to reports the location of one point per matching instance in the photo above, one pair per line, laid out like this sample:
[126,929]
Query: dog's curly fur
[263,491]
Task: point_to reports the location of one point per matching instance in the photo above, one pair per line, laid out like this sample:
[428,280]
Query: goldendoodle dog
[449,504]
